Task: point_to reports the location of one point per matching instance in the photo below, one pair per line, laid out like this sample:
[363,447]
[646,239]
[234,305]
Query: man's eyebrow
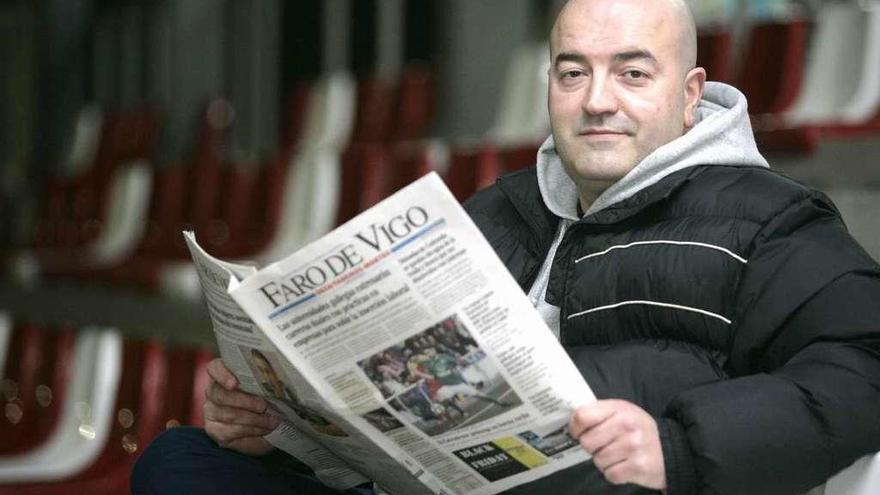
[626,56]
[569,57]
[631,55]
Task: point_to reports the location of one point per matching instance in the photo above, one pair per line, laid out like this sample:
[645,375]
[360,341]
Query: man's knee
[178,450]
[186,460]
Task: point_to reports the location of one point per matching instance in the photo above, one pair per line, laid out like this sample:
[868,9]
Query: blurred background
[261,124]
[124,121]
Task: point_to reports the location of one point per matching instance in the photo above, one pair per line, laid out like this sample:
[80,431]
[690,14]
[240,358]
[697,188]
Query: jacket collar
[521,188]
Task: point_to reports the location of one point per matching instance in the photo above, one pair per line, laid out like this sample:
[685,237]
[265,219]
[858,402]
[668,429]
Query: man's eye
[571,74]
[635,74]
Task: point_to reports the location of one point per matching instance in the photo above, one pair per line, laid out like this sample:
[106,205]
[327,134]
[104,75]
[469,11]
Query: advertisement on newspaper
[410,329]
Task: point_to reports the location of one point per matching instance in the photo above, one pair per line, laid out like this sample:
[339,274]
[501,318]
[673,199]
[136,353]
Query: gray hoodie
[721,136]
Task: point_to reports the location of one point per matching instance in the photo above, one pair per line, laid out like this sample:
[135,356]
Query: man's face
[617,86]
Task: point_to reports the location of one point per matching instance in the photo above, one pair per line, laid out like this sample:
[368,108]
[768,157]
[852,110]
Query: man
[721,312]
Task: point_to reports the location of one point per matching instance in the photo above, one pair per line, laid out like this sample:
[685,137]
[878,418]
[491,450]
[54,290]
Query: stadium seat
[185,393]
[86,418]
[374,115]
[416,103]
[715,53]
[522,114]
[472,170]
[309,203]
[84,147]
[846,41]
[366,171]
[518,157]
[25,361]
[331,113]
[773,65]
[411,160]
[40,383]
[298,105]
[225,235]
[137,414]
[125,222]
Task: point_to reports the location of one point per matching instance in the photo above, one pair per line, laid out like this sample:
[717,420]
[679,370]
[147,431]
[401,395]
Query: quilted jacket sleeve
[804,400]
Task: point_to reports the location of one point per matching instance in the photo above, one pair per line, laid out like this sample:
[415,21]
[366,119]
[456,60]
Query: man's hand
[623,440]
[234,419]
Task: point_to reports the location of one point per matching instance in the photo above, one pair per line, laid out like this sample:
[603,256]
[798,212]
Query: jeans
[185,460]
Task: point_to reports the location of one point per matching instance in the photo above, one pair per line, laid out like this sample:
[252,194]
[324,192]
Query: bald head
[622,83]
[674,12]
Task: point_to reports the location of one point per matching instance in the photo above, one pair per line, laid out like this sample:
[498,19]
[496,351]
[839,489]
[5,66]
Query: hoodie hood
[721,136]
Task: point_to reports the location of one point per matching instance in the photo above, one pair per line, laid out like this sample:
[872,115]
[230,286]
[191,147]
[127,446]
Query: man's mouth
[602,132]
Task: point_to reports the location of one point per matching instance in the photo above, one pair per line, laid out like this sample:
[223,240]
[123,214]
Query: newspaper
[400,350]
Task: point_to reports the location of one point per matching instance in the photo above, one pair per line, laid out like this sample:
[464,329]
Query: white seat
[311,185]
[522,110]
[331,114]
[865,101]
[86,138]
[127,213]
[712,12]
[842,78]
[310,203]
[86,416]
[861,478]
[311,200]
[125,222]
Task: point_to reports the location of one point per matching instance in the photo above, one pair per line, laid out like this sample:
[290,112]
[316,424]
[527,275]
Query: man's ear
[694,82]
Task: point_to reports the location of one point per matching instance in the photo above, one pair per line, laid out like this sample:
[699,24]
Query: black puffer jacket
[730,303]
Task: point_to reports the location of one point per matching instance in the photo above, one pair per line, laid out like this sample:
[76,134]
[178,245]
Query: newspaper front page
[413,338]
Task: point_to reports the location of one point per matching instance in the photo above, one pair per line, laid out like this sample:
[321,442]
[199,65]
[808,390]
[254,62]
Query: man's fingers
[620,473]
[236,399]
[586,417]
[598,437]
[221,374]
[235,416]
[251,446]
[226,434]
[611,455]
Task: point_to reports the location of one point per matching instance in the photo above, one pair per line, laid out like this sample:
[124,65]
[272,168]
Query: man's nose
[600,98]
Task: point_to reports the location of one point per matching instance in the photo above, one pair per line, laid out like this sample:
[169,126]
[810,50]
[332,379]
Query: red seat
[714,53]
[185,394]
[224,236]
[266,220]
[166,212]
[416,103]
[37,372]
[299,100]
[187,198]
[139,406]
[366,169]
[374,116]
[472,170]
[773,66]
[515,158]
[797,140]
[26,358]
[203,190]
[411,160]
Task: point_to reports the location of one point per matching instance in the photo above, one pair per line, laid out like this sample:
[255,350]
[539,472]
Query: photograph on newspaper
[280,394]
[439,379]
